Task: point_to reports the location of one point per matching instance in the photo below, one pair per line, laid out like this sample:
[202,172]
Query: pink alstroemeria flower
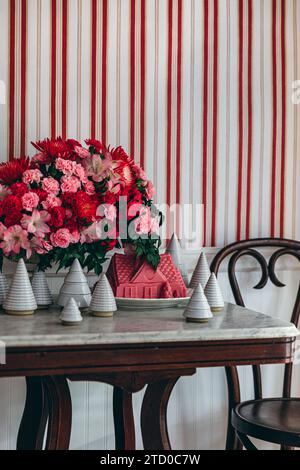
[40,245]
[36,223]
[15,238]
[97,168]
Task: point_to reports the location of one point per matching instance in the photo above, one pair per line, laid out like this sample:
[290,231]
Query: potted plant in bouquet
[64,203]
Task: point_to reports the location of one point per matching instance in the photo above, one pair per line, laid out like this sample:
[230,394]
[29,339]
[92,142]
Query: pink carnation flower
[65,166]
[36,223]
[50,185]
[80,172]
[89,187]
[70,184]
[32,176]
[139,172]
[75,236]
[150,190]
[15,238]
[51,201]
[30,201]
[62,238]
[82,152]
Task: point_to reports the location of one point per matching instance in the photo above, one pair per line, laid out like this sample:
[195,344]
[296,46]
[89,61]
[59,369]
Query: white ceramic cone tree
[198,309]
[103,302]
[41,290]
[201,272]
[70,314]
[3,288]
[174,249]
[20,299]
[75,285]
[214,294]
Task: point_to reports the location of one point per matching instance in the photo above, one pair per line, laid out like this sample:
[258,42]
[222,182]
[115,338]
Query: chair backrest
[237,250]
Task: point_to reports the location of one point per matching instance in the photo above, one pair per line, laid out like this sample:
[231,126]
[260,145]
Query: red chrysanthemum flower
[12,171]
[98,146]
[11,204]
[13,218]
[68,199]
[58,215]
[72,143]
[120,155]
[54,148]
[41,194]
[86,206]
[19,189]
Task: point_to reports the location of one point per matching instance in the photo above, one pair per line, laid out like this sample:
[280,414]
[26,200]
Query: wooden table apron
[128,368]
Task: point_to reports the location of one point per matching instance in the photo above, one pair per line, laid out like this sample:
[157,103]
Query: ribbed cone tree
[75,285]
[41,289]
[20,299]
[214,294]
[198,309]
[70,314]
[201,272]
[103,302]
[174,249]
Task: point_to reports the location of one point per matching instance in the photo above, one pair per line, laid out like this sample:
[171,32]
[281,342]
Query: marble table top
[143,326]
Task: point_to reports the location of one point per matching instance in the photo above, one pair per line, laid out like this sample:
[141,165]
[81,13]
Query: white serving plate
[131,304]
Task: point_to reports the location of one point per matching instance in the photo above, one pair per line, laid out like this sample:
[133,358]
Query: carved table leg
[35,415]
[60,413]
[154,415]
[123,419]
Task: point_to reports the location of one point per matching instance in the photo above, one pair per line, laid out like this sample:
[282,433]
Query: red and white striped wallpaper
[198,91]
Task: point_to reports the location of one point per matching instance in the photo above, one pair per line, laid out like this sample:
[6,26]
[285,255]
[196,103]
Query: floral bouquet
[70,201]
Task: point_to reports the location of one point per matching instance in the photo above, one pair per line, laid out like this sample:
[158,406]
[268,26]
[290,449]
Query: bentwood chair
[275,420]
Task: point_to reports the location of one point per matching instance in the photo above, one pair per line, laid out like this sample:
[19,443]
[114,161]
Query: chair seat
[274,420]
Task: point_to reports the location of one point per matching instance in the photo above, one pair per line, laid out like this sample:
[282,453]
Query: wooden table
[130,351]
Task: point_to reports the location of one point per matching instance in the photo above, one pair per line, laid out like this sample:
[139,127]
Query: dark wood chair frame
[236,436]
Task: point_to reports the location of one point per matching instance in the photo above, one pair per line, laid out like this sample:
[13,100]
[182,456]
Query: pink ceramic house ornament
[131,278]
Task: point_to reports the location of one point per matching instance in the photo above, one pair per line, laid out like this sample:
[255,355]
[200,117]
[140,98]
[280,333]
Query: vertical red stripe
[283,134]
[132,77]
[240,116]
[64,68]
[93,68]
[143,74]
[215,124]
[179,93]
[169,100]
[12,48]
[205,116]
[53,67]
[23,76]
[250,118]
[274,139]
[104,72]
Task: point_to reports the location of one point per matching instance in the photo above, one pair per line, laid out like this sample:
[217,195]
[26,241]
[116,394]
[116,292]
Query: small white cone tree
[20,299]
[41,290]
[214,294]
[3,287]
[103,302]
[198,309]
[75,285]
[70,314]
[201,272]
[174,249]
